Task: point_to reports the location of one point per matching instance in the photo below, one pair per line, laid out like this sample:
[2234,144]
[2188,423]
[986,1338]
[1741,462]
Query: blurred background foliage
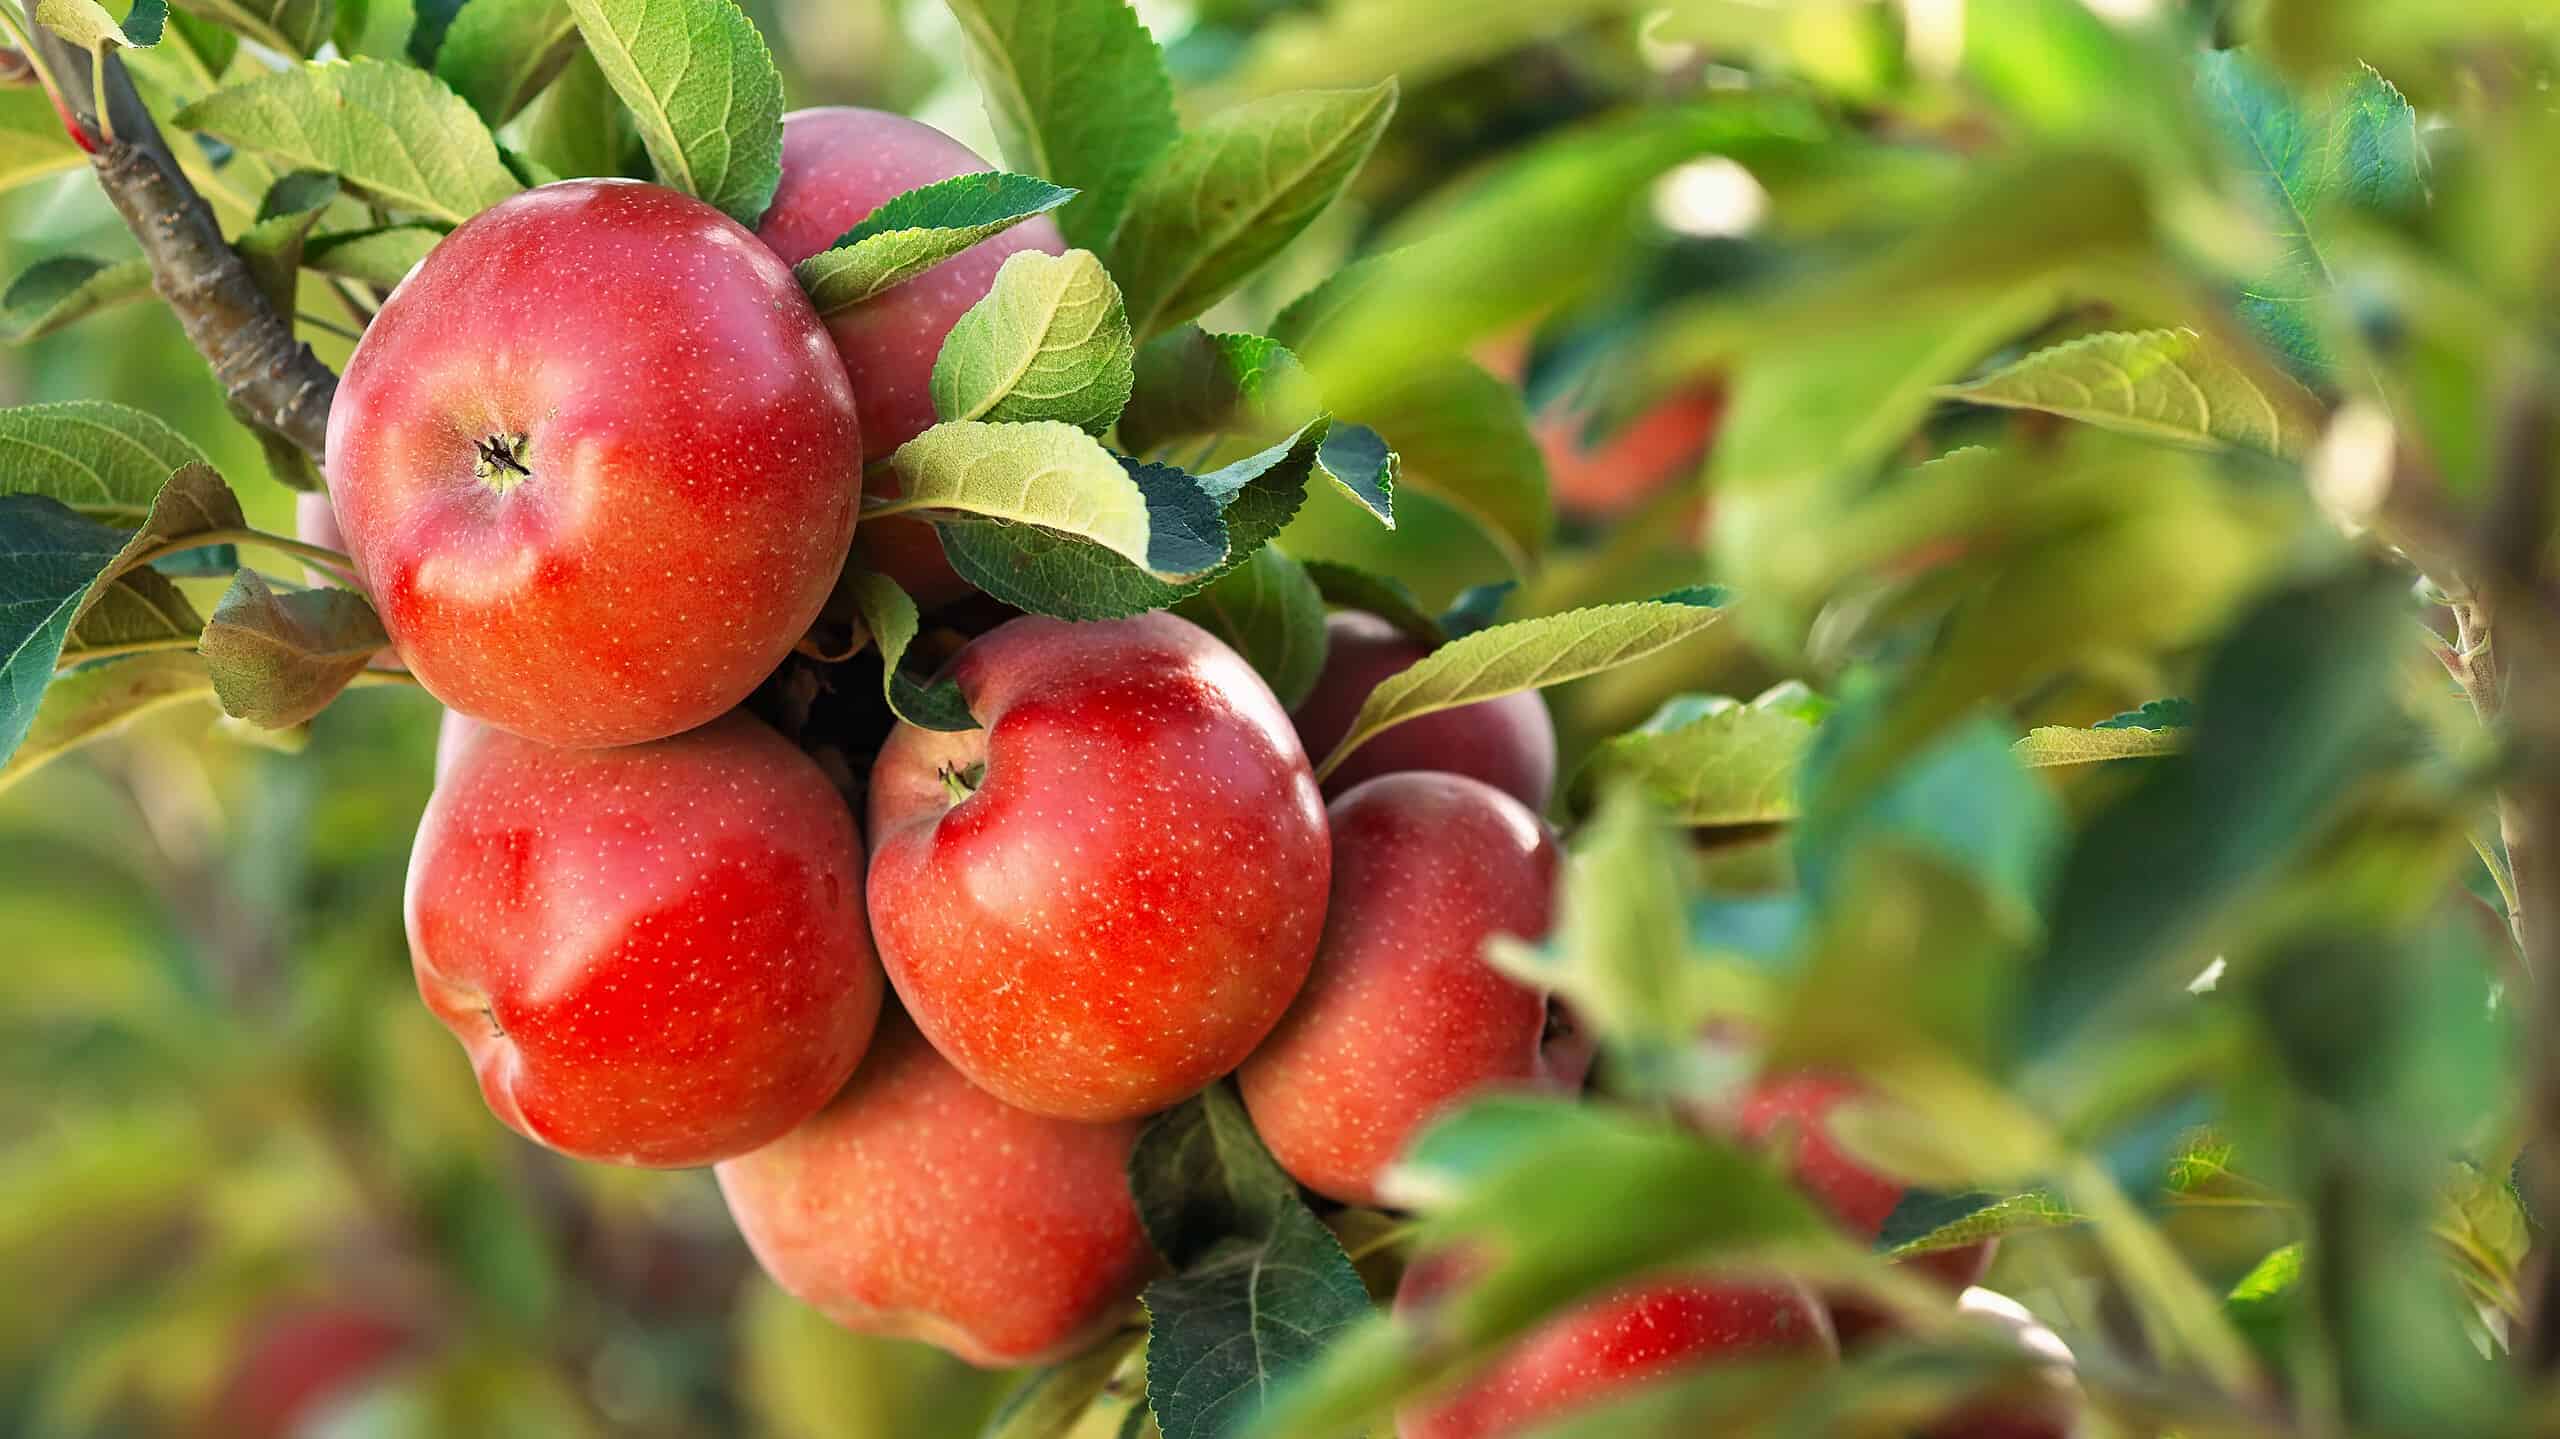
[243,1165]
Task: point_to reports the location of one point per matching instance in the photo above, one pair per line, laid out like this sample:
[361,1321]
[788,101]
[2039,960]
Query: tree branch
[271,377]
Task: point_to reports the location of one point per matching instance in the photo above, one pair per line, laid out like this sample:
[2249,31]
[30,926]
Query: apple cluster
[600,464]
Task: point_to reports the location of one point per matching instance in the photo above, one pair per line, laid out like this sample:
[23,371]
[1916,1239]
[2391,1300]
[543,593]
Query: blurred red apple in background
[1509,743]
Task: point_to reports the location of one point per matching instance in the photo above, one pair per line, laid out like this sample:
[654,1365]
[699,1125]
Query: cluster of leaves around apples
[1058,402]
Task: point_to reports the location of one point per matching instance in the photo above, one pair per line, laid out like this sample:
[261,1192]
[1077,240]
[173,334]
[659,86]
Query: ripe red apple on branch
[654,954]
[1402,1016]
[1103,900]
[597,464]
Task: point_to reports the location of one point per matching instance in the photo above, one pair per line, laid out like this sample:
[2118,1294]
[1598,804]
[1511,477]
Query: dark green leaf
[1200,1176]
[1249,1316]
[49,559]
[913,232]
[426,37]
[272,247]
[291,28]
[1191,384]
[277,660]
[1359,460]
[1078,95]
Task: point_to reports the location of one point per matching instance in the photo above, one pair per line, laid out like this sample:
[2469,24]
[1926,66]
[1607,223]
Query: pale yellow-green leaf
[2168,384]
[704,91]
[93,702]
[1049,342]
[2050,745]
[104,460]
[393,132]
[1523,655]
[1050,475]
[33,143]
[84,23]
[1733,765]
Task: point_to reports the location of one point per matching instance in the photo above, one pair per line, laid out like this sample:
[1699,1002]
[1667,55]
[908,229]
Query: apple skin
[301,1362]
[654,955]
[692,453]
[840,163]
[1122,910]
[1795,1110]
[1402,1017]
[1509,743]
[1589,1353]
[918,1206]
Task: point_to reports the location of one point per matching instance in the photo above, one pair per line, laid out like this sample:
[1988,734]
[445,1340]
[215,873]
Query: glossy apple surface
[918,1206]
[596,463]
[1590,1353]
[1509,743]
[840,163]
[655,954]
[1103,900]
[1402,1017]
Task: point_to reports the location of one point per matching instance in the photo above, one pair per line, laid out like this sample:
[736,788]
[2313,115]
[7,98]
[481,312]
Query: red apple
[1593,1351]
[654,954]
[596,464]
[1103,900]
[453,733]
[1509,743]
[1402,1016]
[1793,1112]
[918,1206]
[838,165]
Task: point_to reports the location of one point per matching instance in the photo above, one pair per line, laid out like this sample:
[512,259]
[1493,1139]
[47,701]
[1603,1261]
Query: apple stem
[960,783]
[498,460]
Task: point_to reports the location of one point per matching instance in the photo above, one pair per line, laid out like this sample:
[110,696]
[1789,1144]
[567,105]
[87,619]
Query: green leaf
[579,127]
[1267,610]
[2167,384]
[1476,607]
[132,604]
[1053,574]
[1717,762]
[499,54]
[291,28]
[380,28]
[1200,1175]
[1359,461]
[2293,705]
[277,660]
[204,49]
[1926,1221]
[1049,1402]
[1462,436]
[1226,197]
[2357,148]
[380,257]
[1049,342]
[1526,655]
[49,559]
[433,20]
[1619,957]
[97,700]
[704,90]
[139,609]
[891,618]
[1251,1315]
[913,232]
[50,294]
[87,24]
[1078,94]
[1347,588]
[1060,479]
[1191,384]
[2050,745]
[388,131]
[105,461]
[33,143]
